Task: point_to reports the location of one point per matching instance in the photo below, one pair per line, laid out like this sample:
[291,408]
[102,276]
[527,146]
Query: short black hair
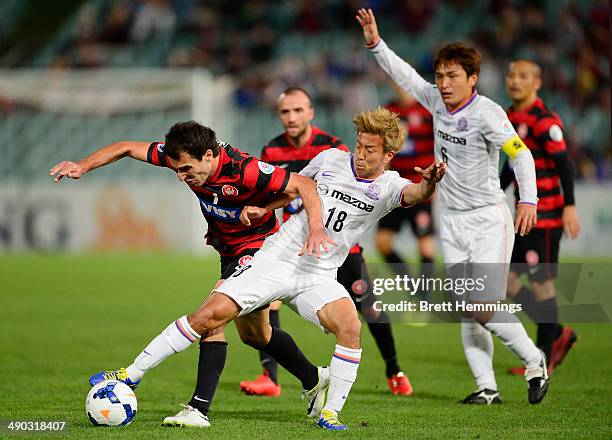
[295,89]
[191,138]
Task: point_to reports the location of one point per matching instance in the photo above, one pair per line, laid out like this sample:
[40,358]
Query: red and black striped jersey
[542,131]
[240,180]
[282,153]
[418,149]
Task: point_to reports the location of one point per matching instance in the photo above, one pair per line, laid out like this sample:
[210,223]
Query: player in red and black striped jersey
[418,151]
[224,180]
[239,180]
[293,150]
[537,253]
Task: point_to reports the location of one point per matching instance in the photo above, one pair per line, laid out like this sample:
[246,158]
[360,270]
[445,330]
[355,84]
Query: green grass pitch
[63,318]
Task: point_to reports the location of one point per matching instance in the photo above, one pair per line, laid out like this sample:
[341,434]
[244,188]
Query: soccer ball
[111,403]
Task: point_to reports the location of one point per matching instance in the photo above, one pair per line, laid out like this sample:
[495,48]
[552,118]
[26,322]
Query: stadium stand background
[264,46]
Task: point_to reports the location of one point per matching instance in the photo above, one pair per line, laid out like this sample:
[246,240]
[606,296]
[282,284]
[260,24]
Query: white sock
[478,348]
[175,338]
[510,330]
[343,372]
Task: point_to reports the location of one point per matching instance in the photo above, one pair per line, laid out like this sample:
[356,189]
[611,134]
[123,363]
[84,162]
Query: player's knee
[543,291]
[369,313]
[253,338]
[202,321]
[482,316]
[349,333]
[514,284]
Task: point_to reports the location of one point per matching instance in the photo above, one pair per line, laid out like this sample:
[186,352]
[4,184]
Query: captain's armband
[513,146]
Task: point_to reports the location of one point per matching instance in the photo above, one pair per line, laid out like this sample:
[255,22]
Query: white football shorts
[266,278]
[478,243]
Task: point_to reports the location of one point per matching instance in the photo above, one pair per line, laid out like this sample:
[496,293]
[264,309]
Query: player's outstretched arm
[104,156]
[424,190]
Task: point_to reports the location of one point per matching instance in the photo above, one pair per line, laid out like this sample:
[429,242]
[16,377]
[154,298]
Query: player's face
[454,85]
[522,81]
[192,170]
[295,112]
[370,157]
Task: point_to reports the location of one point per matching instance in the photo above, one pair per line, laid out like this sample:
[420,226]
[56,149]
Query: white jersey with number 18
[350,207]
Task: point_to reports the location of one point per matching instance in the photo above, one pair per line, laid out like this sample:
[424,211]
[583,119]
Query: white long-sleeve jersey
[468,139]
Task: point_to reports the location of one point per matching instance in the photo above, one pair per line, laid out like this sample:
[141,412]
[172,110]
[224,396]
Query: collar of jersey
[537,103]
[472,98]
[359,179]
[315,131]
[222,155]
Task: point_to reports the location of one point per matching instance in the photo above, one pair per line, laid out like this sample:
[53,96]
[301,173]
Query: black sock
[526,298]
[210,367]
[284,350]
[383,335]
[427,271]
[397,263]
[267,362]
[547,326]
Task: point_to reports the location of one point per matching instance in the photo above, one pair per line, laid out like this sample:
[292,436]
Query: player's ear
[311,113]
[538,84]
[389,155]
[472,80]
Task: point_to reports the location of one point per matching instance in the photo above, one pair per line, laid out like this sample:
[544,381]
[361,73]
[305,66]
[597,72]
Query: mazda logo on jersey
[230,215]
[450,138]
[352,201]
[323,189]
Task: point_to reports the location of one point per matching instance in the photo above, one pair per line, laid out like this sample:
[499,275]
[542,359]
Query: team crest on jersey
[373,191]
[265,168]
[160,147]
[522,130]
[462,124]
[229,191]
[359,287]
[323,189]
[244,260]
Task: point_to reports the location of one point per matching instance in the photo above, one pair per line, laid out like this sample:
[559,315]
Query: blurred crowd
[268,45]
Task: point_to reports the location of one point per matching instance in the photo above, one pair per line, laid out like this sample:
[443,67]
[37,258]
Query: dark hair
[462,54]
[191,138]
[295,89]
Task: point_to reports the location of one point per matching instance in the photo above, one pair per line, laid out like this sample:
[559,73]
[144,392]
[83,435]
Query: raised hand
[368,24]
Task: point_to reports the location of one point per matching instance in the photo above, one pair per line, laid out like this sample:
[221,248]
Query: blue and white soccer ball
[111,403]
